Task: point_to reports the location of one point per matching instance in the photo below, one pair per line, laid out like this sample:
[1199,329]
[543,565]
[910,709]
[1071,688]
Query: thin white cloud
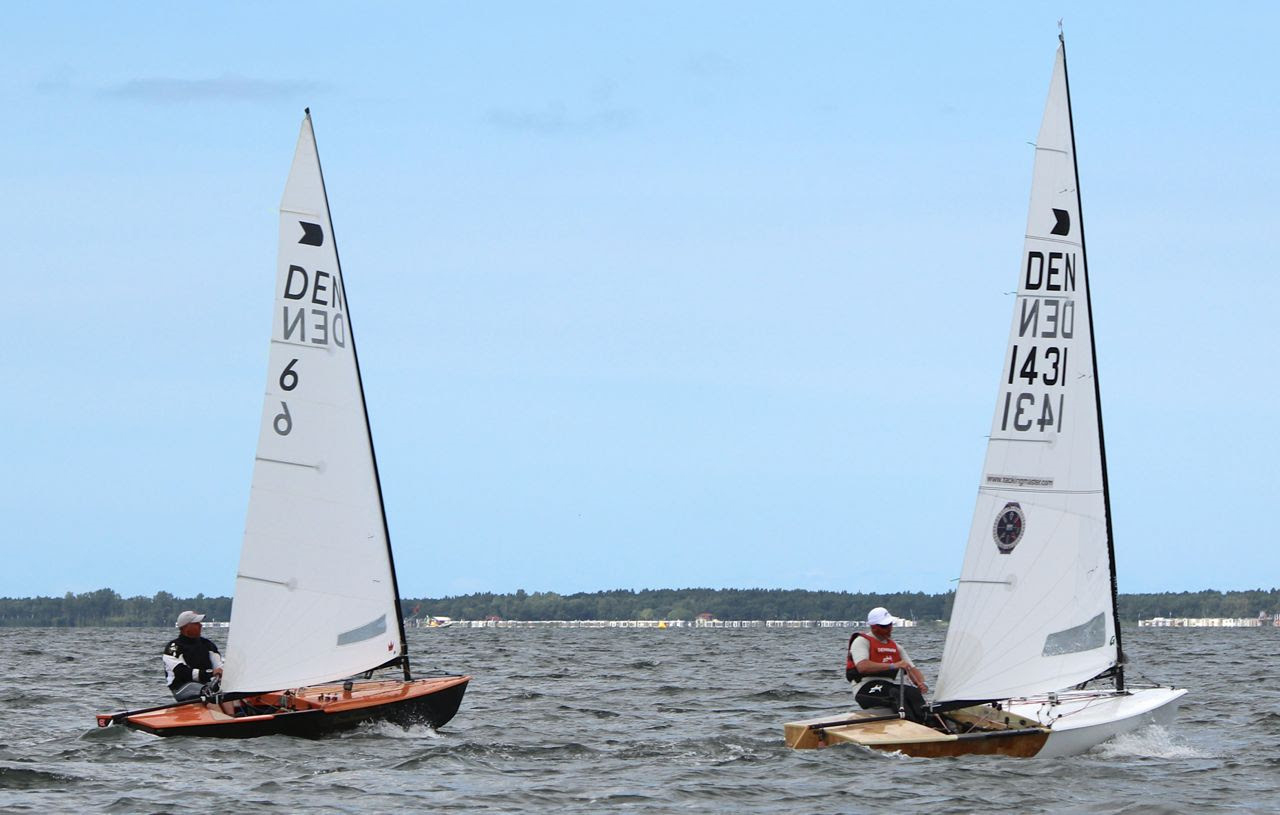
[228,87]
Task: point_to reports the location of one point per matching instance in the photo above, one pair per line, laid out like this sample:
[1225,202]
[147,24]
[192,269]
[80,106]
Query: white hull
[1081,720]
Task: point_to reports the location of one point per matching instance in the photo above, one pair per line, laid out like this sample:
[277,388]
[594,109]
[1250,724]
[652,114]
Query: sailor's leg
[878,693]
[187,692]
[913,702]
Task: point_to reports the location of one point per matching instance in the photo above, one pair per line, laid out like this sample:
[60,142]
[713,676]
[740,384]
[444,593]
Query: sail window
[369,630]
[1084,637]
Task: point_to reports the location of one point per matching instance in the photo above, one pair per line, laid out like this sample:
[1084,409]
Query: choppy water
[572,720]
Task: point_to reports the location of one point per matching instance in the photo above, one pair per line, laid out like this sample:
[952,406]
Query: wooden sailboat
[1033,663]
[316,598]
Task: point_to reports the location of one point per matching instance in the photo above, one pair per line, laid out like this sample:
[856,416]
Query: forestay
[1034,607]
[315,591]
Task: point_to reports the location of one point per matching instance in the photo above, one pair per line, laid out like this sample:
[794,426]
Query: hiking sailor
[874,665]
[190,660]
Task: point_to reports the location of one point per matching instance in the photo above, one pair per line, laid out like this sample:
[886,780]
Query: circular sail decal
[1009,526]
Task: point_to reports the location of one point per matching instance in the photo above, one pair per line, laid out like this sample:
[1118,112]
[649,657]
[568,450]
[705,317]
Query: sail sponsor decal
[1009,527]
[1034,389]
[1017,481]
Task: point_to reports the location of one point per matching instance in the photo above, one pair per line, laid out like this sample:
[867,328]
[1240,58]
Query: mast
[377,478]
[1097,391]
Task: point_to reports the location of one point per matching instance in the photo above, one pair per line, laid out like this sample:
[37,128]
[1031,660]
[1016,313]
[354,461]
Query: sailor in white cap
[190,660]
[874,665]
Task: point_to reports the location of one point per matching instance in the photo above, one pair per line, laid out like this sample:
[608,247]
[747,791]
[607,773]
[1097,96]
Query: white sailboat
[1033,663]
[316,598]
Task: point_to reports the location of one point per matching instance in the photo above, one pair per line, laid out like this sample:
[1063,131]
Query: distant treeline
[105,607]
[684,604]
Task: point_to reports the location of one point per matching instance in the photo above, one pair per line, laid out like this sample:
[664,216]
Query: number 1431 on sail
[1021,411]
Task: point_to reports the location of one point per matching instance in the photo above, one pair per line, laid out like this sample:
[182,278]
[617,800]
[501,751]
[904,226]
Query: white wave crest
[1152,741]
[394,731]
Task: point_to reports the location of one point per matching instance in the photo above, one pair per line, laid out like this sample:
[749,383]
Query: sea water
[631,720]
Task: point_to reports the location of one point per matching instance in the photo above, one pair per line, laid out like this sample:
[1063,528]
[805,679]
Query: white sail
[1033,609]
[315,597]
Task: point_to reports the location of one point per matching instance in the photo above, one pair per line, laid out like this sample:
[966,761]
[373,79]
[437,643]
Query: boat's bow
[1081,720]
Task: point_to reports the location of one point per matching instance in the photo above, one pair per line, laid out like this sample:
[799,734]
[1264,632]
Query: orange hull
[308,712]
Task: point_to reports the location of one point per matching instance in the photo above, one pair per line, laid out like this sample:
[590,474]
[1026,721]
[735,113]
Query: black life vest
[194,653]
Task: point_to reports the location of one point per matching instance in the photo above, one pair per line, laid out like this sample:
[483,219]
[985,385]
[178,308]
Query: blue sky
[647,295]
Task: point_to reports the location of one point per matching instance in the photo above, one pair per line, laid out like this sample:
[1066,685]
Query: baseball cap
[879,616]
[188,617]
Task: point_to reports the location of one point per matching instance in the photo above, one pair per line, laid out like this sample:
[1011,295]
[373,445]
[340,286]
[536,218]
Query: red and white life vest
[885,652]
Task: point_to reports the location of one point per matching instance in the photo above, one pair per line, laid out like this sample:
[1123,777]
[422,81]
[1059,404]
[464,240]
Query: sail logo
[1062,222]
[1009,526]
[313,234]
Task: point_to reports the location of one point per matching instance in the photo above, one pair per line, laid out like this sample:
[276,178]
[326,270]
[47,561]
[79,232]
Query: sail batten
[315,506]
[1034,608]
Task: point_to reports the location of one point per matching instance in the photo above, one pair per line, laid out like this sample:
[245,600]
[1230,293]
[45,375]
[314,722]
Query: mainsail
[315,596]
[1034,608]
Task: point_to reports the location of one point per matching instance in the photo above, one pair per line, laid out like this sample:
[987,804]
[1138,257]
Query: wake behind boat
[1033,664]
[316,599]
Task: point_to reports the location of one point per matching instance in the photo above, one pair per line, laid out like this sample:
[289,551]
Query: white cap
[187,618]
[879,616]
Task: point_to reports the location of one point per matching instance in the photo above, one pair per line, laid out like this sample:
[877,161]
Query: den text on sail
[1033,393]
[313,307]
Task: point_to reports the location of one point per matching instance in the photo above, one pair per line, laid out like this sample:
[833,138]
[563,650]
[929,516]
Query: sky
[647,295]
